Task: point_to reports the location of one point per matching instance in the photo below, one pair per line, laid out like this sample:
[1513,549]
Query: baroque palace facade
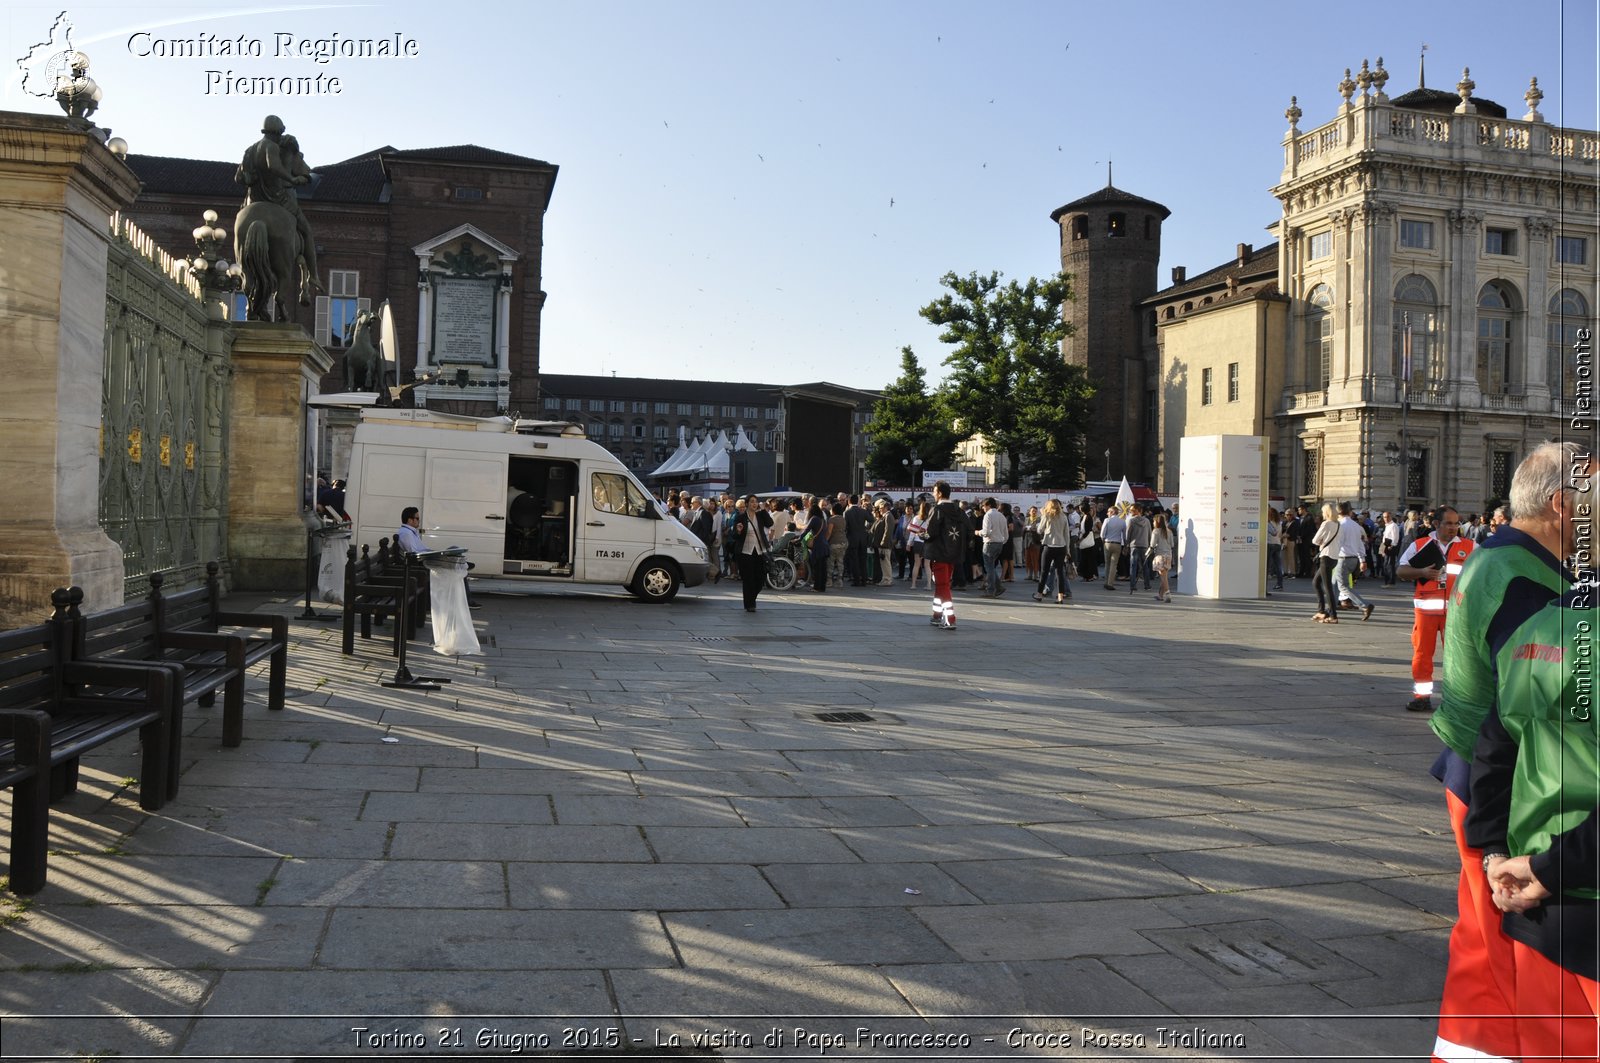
[1430,225]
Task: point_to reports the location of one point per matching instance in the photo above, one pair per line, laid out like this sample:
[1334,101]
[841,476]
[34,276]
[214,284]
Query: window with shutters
[336,311]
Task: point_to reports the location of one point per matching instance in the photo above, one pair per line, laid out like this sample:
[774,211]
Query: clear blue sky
[724,210]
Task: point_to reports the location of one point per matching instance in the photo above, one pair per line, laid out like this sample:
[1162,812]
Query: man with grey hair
[1516,573]
[1499,519]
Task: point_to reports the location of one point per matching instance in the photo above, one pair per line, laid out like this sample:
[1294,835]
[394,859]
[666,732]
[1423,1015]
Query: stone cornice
[54,146]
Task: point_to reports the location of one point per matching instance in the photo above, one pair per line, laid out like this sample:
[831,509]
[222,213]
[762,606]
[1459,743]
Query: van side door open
[540,497]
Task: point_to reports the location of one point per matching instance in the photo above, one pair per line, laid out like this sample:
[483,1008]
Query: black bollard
[313,565]
[403,678]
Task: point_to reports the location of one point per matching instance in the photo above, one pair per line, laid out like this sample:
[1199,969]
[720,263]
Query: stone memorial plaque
[463,320]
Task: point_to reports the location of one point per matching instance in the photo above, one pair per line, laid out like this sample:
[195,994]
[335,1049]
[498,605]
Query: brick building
[1111,244]
[451,237]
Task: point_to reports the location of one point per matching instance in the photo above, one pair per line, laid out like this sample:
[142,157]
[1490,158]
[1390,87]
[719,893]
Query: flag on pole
[1124,494]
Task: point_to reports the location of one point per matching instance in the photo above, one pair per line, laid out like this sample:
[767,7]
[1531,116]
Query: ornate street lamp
[208,266]
[913,466]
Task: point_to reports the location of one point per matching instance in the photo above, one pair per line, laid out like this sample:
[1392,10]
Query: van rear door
[465,505]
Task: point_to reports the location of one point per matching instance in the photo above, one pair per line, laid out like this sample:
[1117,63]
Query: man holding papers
[1433,562]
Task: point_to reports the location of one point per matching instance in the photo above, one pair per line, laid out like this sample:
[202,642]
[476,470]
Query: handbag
[1087,542]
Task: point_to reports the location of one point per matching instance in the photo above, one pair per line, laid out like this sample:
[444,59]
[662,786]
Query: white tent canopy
[676,460]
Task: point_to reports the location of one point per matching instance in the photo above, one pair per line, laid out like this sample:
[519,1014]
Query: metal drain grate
[1255,953]
[759,638]
[844,717]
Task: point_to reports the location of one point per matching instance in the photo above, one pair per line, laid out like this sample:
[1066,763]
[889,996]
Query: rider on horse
[271,168]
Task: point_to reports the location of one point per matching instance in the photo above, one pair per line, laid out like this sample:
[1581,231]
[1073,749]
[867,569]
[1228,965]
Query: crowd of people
[860,541]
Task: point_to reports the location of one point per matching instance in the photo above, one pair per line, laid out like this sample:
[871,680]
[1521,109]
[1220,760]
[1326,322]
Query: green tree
[1007,378]
[1052,409]
[908,419]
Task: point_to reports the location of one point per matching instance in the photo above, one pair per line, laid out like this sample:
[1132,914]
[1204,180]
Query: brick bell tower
[1111,245]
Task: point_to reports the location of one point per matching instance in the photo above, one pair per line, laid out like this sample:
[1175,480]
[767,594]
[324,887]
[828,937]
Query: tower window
[1080,228]
[1149,227]
[1117,225]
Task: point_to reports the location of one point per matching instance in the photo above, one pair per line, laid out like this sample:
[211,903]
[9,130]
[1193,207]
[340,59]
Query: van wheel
[657,581]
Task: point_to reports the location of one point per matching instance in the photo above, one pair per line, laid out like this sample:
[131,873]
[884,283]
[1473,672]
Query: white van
[529,500]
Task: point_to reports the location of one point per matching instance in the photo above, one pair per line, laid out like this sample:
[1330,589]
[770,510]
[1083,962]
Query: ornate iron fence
[163,489]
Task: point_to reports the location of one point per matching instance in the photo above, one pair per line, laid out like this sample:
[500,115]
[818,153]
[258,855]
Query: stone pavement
[1198,830]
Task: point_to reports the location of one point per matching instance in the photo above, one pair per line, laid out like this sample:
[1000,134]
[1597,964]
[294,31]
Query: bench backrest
[29,666]
[195,609]
[124,631]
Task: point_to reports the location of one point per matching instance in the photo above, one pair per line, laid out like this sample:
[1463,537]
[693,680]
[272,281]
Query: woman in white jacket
[1053,535]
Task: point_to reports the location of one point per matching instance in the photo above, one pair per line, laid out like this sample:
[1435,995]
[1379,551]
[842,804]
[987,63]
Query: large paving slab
[1099,821]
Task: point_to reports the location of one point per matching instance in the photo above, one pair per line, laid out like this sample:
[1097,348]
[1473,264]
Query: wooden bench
[132,634]
[53,710]
[199,612]
[375,585]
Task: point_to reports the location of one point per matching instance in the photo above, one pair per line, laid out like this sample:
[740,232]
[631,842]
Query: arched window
[1117,225]
[1499,366]
[1319,337]
[1417,303]
[1080,227]
[1569,312]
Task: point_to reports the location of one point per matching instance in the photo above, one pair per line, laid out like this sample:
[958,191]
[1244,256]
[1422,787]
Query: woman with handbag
[816,539]
[1088,547]
[1053,530]
[1326,542]
[750,539]
[1161,554]
[916,534]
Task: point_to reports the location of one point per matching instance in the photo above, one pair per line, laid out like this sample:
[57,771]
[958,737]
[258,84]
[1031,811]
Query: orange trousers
[1477,1018]
[1426,630]
[1556,1009]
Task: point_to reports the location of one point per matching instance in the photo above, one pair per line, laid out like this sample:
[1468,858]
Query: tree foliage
[908,419]
[1008,379]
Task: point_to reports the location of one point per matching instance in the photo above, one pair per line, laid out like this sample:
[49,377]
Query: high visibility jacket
[1431,595]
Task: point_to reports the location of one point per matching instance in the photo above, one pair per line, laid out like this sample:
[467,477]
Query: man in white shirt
[409,535]
[1352,558]
[1113,534]
[1390,550]
[996,536]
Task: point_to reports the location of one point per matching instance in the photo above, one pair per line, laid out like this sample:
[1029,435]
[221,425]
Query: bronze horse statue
[266,244]
[363,360]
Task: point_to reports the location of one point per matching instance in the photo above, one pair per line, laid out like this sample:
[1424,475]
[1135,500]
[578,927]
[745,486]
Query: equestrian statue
[272,241]
[363,359]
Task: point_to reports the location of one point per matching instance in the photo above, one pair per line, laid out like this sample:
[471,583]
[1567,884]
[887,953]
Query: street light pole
[1108,463]
[1405,409]
[913,466]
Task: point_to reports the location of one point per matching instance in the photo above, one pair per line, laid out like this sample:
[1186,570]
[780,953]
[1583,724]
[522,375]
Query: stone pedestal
[275,368]
[58,188]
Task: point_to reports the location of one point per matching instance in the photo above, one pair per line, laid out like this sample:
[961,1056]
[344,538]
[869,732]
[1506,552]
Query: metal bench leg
[30,808]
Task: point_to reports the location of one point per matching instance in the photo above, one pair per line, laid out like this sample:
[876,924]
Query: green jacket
[1536,774]
[1508,578]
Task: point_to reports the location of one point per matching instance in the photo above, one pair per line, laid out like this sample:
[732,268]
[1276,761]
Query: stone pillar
[58,188]
[276,367]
